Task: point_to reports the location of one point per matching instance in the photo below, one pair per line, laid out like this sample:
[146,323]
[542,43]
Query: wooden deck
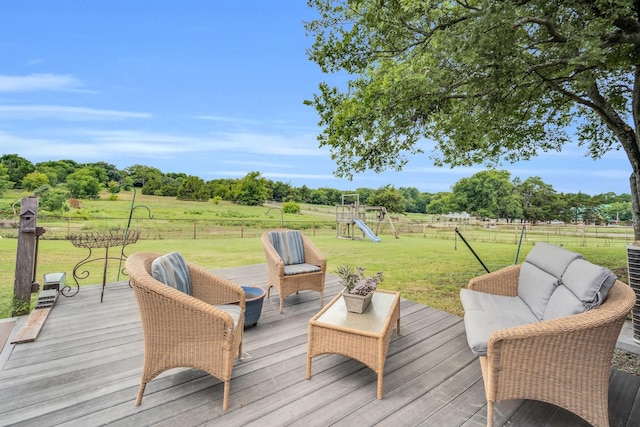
[85,365]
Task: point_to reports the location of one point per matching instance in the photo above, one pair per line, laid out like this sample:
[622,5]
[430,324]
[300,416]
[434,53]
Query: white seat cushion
[486,313]
[290,270]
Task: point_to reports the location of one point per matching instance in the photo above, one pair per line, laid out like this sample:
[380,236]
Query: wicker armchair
[565,361]
[291,278]
[182,330]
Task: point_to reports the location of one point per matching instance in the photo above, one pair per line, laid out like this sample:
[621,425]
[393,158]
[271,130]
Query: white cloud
[31,112]
[297,175]
[274,151]
[225,119]
[258,164]
[51,147]
[272,144]
[445,170]
[243,143]
[26,143]
[38,82]
[275,175]
[125,137]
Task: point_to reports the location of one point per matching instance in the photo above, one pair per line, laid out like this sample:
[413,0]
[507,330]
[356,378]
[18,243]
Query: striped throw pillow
[289,246]
[171,269]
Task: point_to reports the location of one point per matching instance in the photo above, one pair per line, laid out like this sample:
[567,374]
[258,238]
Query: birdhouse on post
[25,256]
[28,221]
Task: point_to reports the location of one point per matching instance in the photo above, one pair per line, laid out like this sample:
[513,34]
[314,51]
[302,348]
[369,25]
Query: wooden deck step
[35,322]
[31,329]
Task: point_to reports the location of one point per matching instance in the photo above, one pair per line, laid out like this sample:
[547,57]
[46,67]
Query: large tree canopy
[486,80]
[488,194]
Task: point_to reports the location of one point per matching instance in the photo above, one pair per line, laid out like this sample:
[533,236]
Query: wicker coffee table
[364,337]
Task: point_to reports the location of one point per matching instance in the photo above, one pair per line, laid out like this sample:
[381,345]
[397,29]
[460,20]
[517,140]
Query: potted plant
[358,289]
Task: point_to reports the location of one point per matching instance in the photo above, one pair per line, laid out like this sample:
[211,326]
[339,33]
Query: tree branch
[619,38]
[555,34]
[626,135]
[554,63]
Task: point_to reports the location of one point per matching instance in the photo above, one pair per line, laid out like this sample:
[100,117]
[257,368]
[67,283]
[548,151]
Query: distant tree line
[489,194]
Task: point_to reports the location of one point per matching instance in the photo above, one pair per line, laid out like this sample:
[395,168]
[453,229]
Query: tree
[579,206]
[108,172]
[251,190]
[140,174]
[303,194]
[17,168]
[422,201]
[540,201]
[222,188]
[363,195]
[318,197]
[334,196]
[83,183]
[282,191]
[162,185]
[410,196]
[57,170]
[193,188]
[488,194]
[440,203]
[5,182]
[487,81]
[33,180]
[388,197]
[53,199]
[617,212]
[113,187]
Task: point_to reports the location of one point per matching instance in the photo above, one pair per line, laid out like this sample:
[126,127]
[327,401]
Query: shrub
[291,207]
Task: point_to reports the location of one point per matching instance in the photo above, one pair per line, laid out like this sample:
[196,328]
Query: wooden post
[25,256]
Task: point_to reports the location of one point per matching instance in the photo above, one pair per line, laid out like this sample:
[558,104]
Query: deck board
[33,326]
[84,370]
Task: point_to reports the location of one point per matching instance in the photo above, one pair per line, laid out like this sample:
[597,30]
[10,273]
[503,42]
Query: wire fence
[194,229]
[201,229]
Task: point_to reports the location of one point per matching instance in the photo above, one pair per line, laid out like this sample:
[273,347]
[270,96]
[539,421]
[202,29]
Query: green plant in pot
[358,288]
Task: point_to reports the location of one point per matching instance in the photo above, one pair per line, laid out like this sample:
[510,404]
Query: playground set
[351,214]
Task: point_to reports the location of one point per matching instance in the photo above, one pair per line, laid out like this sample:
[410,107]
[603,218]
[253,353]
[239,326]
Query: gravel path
[625,361]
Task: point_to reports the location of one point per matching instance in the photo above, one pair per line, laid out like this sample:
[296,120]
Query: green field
[428,263]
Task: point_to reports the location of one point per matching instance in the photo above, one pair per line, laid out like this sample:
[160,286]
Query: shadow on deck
[84,369]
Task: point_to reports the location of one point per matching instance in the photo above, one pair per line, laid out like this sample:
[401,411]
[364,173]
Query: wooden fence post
[25,256]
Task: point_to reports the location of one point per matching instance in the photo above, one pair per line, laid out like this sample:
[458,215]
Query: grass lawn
[429,271]
[428,267]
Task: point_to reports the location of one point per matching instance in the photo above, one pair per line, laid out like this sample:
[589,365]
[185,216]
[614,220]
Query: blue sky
[209,88]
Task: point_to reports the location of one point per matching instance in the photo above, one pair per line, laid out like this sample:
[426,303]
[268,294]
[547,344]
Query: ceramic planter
[253,308]
[356,303]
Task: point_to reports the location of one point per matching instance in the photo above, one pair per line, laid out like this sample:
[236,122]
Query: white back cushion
[551,258]
[535,287]
[590,283]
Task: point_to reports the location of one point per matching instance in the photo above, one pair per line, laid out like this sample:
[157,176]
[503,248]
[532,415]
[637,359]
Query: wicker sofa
[294,264]
[546,330]
[198,324]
